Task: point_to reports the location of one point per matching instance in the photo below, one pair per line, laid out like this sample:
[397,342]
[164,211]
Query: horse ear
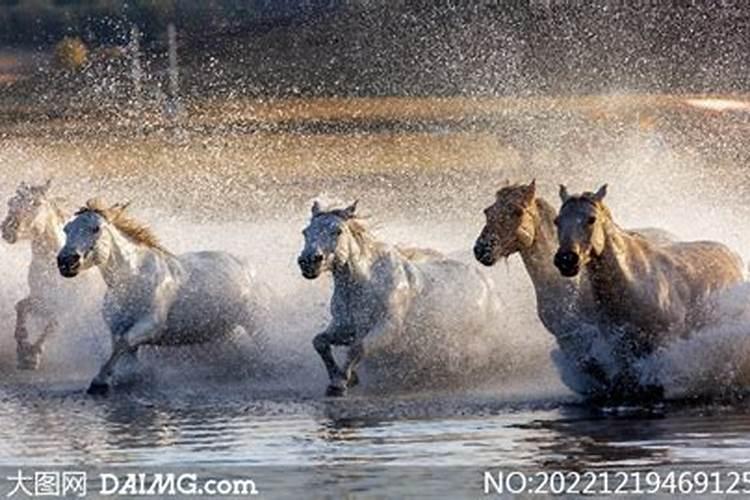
[316,208]
[351,209]
[599,195]
[564,193]
[42,188]
[118,208]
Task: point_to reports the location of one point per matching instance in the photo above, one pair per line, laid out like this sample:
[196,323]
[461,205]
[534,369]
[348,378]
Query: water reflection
[228,427]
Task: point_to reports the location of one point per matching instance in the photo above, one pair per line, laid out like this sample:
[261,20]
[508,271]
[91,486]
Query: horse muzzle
[310,266]
[69,265]
[484,254]
[568,263]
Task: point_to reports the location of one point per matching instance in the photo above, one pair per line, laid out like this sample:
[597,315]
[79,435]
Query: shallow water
[233,431]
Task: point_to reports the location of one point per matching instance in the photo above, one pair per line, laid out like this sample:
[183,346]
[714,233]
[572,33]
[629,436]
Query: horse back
[416,254]
[708,263]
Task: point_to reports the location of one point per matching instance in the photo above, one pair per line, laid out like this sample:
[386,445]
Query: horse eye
[338,231]
[590,221]
[556,221]
[96,229]
[517,212]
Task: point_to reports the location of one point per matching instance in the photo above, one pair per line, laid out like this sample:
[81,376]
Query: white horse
[35,217]
[153,296]
[381,291]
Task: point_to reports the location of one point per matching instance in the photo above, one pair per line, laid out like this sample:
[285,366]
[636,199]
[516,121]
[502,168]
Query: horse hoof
[335,391]
[98,389]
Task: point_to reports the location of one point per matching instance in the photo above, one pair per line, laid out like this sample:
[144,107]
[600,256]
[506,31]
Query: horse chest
[122,311]
[356,310]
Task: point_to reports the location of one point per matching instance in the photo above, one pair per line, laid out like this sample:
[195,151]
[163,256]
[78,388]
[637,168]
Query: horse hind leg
[28,353]
[254,322]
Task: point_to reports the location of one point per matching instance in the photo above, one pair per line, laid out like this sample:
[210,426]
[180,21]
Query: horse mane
[136,231]
[357,225]
[53,202]
[360,231]
[508,188]
[589,197]
[545,208]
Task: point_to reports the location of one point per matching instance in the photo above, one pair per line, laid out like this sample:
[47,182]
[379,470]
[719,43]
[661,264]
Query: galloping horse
[649,292]
[381,291]
[521,222]
[153,296]
[35,217]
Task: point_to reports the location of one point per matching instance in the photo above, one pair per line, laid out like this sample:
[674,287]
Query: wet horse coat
[521,222]
[33,216]
[381,290]
[153,296]
[650,293]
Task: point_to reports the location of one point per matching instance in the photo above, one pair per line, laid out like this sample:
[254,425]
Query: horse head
[510,224]
[580,229]
[27,209]
[326,239]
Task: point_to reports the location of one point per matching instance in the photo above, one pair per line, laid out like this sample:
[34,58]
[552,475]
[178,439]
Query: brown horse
[649,292]
[521,222]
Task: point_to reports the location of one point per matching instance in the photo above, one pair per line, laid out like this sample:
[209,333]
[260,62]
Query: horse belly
[453,296]
[212,300]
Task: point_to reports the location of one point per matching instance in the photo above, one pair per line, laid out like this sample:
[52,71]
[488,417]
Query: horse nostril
[68,261]
[317,258]
[566,259]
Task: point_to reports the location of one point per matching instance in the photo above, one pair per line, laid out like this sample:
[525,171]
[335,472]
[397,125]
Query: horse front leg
[363,345]
[102,381]
[337,382]
[124,345]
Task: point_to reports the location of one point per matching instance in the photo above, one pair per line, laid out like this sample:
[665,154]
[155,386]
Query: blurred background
[259,91]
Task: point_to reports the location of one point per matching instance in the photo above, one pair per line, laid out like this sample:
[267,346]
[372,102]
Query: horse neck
[125,260]
[538,257]
[608,272]
[47,240]
[363,252]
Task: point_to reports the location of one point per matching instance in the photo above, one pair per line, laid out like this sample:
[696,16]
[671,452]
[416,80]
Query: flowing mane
[546,210]
[54,203]
[134,230]
[356,224]
[590,197]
